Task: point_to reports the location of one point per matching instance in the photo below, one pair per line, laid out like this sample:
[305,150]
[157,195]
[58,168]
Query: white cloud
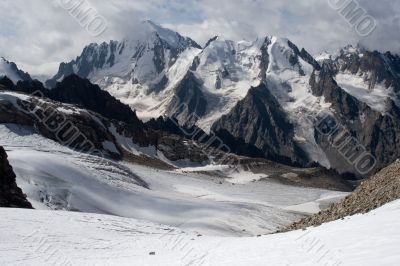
[39,34]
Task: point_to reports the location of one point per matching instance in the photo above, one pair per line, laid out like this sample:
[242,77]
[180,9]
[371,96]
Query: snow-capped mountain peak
[11,70]
[141,60]
[173,38]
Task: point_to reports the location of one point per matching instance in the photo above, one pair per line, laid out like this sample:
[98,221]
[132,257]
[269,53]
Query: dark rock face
[30,86]
[11,195]
[82,131]
[189,99]
[79,129]
[6,83]
[260,122]
[81,92]
[25,86]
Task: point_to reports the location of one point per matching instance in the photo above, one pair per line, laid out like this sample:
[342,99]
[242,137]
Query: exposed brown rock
[373,193]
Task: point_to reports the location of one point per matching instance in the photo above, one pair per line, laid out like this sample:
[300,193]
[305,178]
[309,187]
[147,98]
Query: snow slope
[31,237]
[376,96]
[55,177]
[227,70]
[134,87]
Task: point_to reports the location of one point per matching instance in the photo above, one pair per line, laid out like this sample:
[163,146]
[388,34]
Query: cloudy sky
[40,34]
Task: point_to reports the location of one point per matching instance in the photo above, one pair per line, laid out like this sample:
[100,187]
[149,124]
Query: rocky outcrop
[260,122]
[374,192]
[11,196]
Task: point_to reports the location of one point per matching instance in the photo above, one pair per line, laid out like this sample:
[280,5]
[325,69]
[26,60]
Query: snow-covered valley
[245,204]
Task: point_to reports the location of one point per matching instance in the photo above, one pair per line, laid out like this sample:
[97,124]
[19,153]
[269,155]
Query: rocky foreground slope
[382,188]
[10,194]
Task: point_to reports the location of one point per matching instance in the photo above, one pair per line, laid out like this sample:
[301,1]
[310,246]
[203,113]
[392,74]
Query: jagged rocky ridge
[11,196]
[80,92]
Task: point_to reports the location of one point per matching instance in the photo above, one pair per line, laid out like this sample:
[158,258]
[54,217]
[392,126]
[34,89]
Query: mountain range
[263,98]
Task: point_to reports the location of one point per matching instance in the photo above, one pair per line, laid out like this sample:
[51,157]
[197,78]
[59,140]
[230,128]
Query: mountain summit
[142,59]
[10,70]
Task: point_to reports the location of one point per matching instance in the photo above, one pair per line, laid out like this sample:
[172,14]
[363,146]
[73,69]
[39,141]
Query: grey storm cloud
[40,34]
